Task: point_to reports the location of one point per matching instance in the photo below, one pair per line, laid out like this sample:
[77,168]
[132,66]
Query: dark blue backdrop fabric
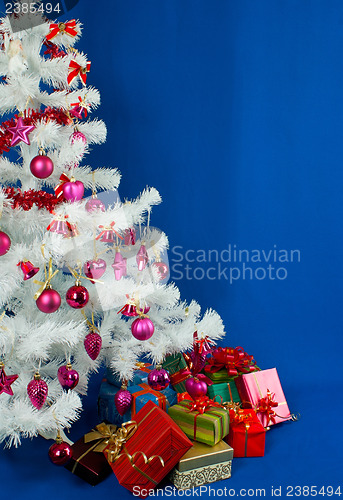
[233,110]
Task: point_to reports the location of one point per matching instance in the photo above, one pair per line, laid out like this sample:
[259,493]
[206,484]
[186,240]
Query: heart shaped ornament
[94,269]
[67,377]
[73,190]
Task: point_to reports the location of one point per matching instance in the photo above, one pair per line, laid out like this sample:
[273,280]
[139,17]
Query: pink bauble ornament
[67,377]
[78,136]
[123,400]
[94,269]
[93,343]
[49,301]
[60,452]
[195,387]
[37,391]
[142,328]
[41,166]
[5,243]
[158,379]
[73,190]
[162,269]
[94,205]
[77,296]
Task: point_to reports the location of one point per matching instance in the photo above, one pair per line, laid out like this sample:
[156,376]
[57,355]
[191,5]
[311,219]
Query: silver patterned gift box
[203,464]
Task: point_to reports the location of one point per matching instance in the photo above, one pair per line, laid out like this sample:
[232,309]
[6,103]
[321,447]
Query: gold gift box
[203,464]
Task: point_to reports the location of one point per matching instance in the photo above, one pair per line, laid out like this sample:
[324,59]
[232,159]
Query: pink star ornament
[6,381]
[119,266]
[20,132]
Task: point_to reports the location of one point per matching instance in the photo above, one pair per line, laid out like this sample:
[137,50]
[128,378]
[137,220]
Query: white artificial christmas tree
[101,246]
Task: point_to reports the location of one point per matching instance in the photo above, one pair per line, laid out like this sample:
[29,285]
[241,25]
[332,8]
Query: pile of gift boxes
[168,433]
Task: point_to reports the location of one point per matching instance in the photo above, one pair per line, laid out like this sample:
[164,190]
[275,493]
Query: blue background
[233,110]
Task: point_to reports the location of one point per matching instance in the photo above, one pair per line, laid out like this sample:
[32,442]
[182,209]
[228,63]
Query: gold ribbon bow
[45,284]
[117,439]
[106,434]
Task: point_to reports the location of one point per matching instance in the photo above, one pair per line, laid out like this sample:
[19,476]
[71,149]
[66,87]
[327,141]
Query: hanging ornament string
[78,275]
[91,324]
[48,277]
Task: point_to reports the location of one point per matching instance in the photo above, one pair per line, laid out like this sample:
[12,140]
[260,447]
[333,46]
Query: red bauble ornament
[94,269]
[77,296]
[60,452]
[5,243]
[28,269]
[93,343]
[67,377]
[41,166]
[123,400]
[158,379]
[49,301]
[195,387]
[37,391]
[162,269]
[142,328]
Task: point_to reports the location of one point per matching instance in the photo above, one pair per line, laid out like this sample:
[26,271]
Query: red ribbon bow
[59,188]
[105,229]
[68,28]
[234,360]
[266,405]
[204,343]
[75,70]
[240,417]
[79,108]
[201,404]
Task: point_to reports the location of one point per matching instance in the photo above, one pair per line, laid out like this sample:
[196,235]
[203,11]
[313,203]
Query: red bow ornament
[234,360]
[68,28]
[75,70]
[78,108]
[266,405]
[59,188]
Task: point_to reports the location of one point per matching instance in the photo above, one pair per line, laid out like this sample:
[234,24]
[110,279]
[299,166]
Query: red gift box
[247,435]
[155,444]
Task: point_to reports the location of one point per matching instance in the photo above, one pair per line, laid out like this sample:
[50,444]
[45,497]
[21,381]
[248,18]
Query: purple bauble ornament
[142,328]
[77,296]
[78,136]
[49,301]
[5,243]
[37,391]
[41,166]
[94,269]
[60,452]
[94,205]
[162,270]
[67,377]
[158,379]
[123,400]
[195,387]
[73,190]
[93,343]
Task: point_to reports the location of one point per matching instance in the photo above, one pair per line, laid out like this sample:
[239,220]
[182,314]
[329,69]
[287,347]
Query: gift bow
[234,360]
[75,70]
[59,188]
[46,283]
[201,404]
[239,417]
[266,405]
[68,28]
[108,228]
[111,435]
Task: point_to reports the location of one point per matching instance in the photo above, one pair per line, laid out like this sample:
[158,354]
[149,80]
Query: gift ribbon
[108,228]
[75,70]
[146,389]
[180,376]
[202,405]
[106,435]
[68,28]
[46,283]
[59,188]
[266,403]
[144,367]
[234,360]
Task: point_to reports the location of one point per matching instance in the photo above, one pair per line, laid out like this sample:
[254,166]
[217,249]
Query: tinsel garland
[27,199]
[30,118]
[53,50]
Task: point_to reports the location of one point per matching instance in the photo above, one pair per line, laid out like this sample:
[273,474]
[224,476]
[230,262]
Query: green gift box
[178,371]
[220,376]
[209,427]
[226,390]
